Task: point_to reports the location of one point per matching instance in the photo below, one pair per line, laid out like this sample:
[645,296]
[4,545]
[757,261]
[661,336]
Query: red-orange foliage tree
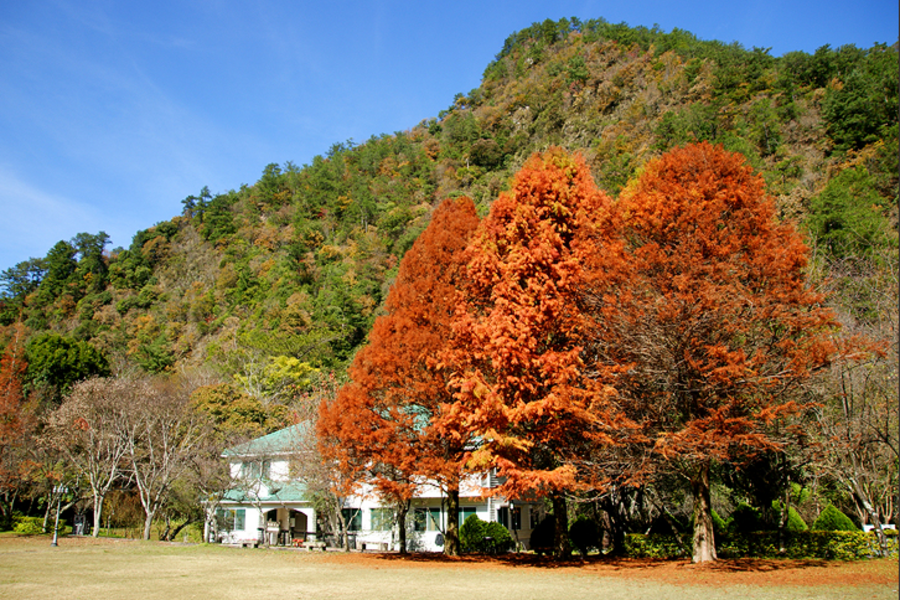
[703,320]
[13,423]
[382,421]
[522,389]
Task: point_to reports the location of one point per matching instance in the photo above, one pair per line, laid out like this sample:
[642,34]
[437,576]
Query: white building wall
[279,470]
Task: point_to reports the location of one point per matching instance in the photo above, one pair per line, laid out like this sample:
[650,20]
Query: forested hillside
[262,286]
[298,263]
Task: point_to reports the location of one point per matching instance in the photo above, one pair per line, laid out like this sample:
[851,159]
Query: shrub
[29,525]
[719,525]
[497,538]
[832,519]
[831,545]
[476,535]
[471,533]
[35,526]
[795,522]
[745,519]
[655,545]
[542,535]
[584,534]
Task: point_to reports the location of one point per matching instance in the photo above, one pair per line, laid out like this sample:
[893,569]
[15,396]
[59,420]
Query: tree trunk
[451,544]
[704,540]
[173,533]
[49,507]
[344,537]
[783,517]
[561,547]
[871,513]
[402,511]
[148,522]
[98,508]
[613,520]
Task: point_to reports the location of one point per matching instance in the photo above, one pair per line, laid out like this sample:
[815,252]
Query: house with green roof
[268,502]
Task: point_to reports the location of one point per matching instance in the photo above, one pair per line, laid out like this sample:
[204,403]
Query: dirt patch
[746,571]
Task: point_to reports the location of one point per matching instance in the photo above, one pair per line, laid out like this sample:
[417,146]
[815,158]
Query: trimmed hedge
[832,519]
[656,545]
[830,545]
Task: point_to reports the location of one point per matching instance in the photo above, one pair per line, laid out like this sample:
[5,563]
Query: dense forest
[262,295]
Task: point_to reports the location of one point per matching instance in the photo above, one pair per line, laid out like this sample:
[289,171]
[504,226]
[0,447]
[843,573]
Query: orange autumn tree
[522,391]
[702,317]
[14,421]
[381,423]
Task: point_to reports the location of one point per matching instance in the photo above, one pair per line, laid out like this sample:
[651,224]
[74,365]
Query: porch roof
[276,492]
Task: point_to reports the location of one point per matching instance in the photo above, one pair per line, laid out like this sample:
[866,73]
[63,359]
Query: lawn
[124,570]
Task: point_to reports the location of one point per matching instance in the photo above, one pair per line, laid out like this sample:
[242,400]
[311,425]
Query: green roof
[279,491]
[281,442]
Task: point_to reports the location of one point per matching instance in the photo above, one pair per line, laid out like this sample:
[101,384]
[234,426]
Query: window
[255,469]
[465,512]
[427,519]
[536,517]
[382,519]
[511,518]
[353,518]
[230,519]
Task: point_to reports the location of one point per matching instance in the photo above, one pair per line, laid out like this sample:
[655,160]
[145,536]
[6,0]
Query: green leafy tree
[56,363]
[61,266]
[863,103]
[235,416]
[92,269]
[16,283]
[849,218]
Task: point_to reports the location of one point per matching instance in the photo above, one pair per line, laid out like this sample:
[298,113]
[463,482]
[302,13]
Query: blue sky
[112,112]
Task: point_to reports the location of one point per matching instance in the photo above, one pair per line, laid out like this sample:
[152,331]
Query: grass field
[123,570]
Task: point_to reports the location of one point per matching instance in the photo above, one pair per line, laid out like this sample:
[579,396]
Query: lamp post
[512,522]
[59,490]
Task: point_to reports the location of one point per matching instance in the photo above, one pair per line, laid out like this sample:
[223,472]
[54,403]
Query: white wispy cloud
[34,220]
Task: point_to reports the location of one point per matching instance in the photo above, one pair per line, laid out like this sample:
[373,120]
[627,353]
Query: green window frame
[353,518]
[427,519]
[465,512]
[231,519]
[382,519]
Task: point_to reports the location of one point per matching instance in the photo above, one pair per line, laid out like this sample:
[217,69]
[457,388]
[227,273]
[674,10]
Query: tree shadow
[598,562]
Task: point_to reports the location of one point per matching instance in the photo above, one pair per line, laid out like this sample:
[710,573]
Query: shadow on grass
[739,565]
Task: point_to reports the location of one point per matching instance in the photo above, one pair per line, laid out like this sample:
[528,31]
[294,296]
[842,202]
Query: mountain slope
[299,263]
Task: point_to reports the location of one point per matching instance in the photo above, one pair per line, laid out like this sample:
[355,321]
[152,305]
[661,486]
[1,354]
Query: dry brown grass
[123,570]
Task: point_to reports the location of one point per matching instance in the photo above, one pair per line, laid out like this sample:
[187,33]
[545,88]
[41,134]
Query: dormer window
[255,469]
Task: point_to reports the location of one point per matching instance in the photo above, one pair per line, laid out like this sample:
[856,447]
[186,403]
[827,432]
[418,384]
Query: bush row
[832,545]
[35,526]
